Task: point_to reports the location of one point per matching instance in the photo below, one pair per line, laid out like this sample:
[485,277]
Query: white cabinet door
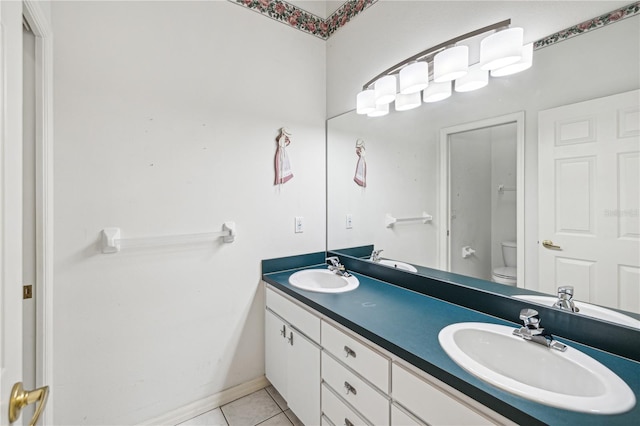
[303,378]
[275,345]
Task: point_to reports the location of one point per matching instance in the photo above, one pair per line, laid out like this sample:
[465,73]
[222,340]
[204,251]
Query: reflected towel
[361,168]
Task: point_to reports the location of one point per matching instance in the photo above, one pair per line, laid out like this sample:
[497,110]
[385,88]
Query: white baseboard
[209,403]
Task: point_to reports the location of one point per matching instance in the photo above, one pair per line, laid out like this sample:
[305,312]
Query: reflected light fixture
[451,64]
[414,77]
[501,53]
[524,63]
[408,101]
[379,111]
[437,92]
[475,79]
[385,90]
[501,49]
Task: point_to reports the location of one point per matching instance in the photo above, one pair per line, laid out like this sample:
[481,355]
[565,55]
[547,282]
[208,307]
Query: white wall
[571,71]
[398,163]
[166,115]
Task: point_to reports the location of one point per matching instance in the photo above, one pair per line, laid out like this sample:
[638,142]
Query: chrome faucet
[375,255]
[337,267]
[534,333]
[565,299]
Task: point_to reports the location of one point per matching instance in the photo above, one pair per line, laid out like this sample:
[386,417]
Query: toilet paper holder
[467,251]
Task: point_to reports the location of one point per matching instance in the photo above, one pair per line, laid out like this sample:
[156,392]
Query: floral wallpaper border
[302,20]
[590,25]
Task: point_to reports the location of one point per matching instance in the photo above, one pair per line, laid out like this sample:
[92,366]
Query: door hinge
[27,291]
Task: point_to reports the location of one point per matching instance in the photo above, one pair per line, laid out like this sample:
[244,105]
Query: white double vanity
[329,375]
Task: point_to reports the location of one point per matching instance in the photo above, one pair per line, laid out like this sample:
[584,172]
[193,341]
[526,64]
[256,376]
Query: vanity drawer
[361,358]
[400,418]
[295,315]
[336,411]
[430,403]
[364,398]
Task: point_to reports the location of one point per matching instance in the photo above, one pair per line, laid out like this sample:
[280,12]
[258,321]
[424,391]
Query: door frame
[41,28]
[444,252]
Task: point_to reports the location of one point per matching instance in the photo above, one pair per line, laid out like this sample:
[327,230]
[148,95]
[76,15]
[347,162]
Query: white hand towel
[361,168]
[282,163]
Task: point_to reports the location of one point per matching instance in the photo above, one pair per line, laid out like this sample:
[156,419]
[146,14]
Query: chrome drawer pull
[349,352]
[283,332]
[350,388]
[290,338]
[347,422]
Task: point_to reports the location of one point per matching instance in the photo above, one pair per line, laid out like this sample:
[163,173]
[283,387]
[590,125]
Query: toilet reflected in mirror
[507,273]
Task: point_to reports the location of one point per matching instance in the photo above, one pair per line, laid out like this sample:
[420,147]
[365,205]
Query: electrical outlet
[299,224]
[349,221]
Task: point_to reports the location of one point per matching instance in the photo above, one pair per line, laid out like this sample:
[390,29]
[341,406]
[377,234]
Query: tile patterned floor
[264,407]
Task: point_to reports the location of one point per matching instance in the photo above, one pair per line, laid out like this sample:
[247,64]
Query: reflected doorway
[481,173]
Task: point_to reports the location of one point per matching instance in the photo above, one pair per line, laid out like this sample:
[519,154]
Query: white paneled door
[589,200]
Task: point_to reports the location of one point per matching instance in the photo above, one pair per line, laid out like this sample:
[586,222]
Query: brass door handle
[549,244]
[20,398]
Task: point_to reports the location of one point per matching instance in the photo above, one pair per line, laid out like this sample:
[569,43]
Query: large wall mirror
[465,174]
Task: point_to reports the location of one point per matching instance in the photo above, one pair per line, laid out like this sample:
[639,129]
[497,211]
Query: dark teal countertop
[407,324]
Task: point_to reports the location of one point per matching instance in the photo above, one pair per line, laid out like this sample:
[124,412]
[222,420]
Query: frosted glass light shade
[414,78]
[437,92]
[476,79]
[379,111]
[385,90]
[501,49]
[450,64]
[365,102]
[407,102]
[524,63]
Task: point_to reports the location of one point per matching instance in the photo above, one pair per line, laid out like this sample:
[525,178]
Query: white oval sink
[586,309]
[323,281]
[570,380]
[398,265]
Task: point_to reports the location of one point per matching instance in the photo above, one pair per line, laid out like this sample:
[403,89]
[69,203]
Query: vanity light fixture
[379,111]
[524,63]
[385,90]
[450,64]
[407,102]
[437,92]
[501,49]
[414,77]
[366,102]
[475,79]
[501,53]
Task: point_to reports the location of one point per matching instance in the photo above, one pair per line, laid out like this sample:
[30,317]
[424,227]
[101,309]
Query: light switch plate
[299,224]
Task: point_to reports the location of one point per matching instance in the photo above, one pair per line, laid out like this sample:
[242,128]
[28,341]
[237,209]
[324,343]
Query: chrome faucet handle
[564,291]
[531,320]
[565,299]
[333,261]
[375,255]
[534,333]
[337,267]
